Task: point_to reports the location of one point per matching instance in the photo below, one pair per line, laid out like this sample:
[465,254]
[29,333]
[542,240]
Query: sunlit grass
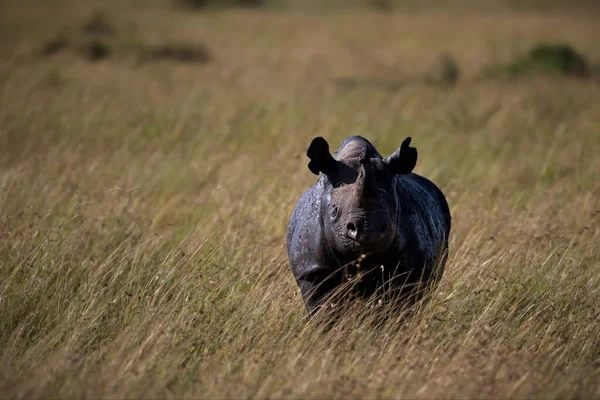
[143,209]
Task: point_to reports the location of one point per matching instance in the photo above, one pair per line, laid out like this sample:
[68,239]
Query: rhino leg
[315,287]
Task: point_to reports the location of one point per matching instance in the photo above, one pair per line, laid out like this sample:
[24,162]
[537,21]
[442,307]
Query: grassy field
[144,202]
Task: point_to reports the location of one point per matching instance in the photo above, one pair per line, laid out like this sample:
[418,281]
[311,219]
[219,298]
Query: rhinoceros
[367,218]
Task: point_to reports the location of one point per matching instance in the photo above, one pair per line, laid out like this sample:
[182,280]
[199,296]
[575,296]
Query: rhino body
[367,208]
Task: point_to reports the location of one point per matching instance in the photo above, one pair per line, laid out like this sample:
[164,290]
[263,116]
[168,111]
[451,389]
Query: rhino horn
[365,184]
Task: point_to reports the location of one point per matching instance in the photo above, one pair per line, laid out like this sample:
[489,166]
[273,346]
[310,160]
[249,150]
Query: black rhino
[368,208]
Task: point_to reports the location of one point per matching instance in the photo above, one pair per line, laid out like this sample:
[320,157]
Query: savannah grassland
[144,204]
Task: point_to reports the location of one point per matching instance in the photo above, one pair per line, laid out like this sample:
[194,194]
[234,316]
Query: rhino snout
[356,229]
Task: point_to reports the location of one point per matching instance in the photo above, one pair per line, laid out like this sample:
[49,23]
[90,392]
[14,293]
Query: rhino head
[360,206]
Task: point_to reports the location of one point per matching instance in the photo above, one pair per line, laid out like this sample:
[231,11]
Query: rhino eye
[335,213]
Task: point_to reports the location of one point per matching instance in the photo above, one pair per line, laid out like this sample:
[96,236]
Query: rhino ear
[320,158]
[403,160]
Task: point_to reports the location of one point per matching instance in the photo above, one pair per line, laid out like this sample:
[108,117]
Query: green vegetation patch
[559,59]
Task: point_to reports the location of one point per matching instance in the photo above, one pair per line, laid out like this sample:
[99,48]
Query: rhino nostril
[352,230]
[351,227]
[383,229]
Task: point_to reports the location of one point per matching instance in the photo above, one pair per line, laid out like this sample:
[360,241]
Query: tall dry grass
[143,208]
